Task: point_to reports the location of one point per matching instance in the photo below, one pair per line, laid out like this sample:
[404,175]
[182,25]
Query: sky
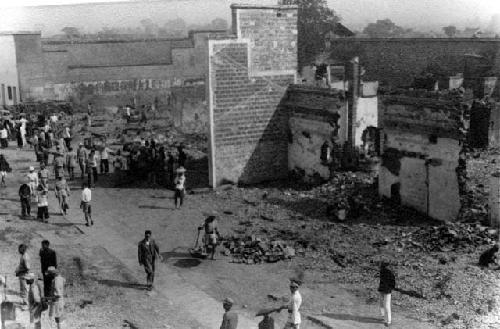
[424,15]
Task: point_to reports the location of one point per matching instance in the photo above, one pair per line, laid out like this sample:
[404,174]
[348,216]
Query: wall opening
[479,125]
[9,92]
[371,141]
[395,193]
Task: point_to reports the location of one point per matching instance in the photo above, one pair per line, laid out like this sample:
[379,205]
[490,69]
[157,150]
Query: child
[386,286]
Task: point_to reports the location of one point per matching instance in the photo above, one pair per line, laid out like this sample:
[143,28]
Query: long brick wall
[247,83]
[396,62]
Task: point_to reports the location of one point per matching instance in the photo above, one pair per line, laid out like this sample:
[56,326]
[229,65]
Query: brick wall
[422,141]
[247,83]
[397,61]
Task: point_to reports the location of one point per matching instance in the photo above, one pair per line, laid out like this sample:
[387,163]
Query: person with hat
[211,234]
[82,156]
[147,252]
[180,189]
[293,307]
[56,296]
[34,300]
[386,286]
[32,180]
[25,198]
[230,318]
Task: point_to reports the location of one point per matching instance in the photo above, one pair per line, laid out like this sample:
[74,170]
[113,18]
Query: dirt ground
[339,260]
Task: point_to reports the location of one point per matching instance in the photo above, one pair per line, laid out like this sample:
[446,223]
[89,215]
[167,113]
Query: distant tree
[71,32]
[175,27]
[315,21]
[219,24]
[450,31]
[384,29]
[149,27]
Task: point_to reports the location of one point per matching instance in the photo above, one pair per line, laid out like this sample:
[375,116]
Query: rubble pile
[253,250]
[451,236]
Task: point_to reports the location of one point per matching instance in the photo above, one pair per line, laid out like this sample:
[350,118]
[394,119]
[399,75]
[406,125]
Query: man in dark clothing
[211,235]
[147,252]
[182,156]
[386,286]
[230,318]
[25,196]
[47,258]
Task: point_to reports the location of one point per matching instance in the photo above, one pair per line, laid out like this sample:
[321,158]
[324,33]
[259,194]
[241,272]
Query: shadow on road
[145,206]
[350,317]
[187,262]
[115,283]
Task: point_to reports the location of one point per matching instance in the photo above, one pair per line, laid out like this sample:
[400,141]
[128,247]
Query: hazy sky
[419,14]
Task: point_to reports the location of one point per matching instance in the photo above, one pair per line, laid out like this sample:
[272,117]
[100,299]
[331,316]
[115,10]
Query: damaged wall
[317,116]
[248,78]
[422,144]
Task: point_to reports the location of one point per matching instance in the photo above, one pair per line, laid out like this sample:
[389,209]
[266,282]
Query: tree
[384,28]
[450,31]
[314,22]
[219,24]
[71,32]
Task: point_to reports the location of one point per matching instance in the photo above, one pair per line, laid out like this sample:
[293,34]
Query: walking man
[43,175]
[82,158]
[92,168]
[48,258]
[34,301]
[230,318]
[211,234]
[293,307]
[61,191]
[147,252]
[33,181]
[21,271]
[385,288]
[71,159]
[85,204]
[56,296]
[58,163]
[25,197]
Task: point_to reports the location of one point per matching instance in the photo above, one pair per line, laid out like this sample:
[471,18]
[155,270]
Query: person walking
[385,288]
[25,198]
[48,258]
[43,175]
[92,168]
[67,137]
[43,203]
[32,181]
[59,162]
[34,300]
[82,158]
[21,272]
[71,159]
[180,188]
[294,318]
[85,204]
[230,318]
[56,296]
[104,155]
[147,252]
[61,191]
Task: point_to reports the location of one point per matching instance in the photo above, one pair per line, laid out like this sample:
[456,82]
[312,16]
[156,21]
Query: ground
[338,260]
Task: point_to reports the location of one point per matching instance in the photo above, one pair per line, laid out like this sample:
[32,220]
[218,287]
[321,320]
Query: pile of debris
[253,250]
[452,236]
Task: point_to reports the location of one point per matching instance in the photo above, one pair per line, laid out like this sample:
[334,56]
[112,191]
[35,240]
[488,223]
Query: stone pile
[252,250]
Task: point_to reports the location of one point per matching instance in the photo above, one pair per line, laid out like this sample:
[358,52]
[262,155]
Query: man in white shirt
[85,204]
[104,154]
[33,181]
[4,135]
[293,307]
[67,137]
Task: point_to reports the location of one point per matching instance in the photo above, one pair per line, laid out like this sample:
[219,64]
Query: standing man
[211,235]
[82,158]
[85,204]
[71,159]
[92,168]
[230,318]
[43,175]
[25,197]
[57,296]
[33,181]
[104,155]
[89,115]
[293,307]
[58,163]
[61,191]
[43,203]
[67,137]
[48,258]
[147,251]
[180,188]
[21,271]
[385,288]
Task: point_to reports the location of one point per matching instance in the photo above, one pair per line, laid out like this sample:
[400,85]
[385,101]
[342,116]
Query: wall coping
[353,39]
[316,90]
[20,32]
[250,6]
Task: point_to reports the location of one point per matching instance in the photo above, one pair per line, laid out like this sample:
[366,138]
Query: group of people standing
[44,291]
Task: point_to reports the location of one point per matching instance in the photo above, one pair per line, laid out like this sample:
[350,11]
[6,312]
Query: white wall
[8,69]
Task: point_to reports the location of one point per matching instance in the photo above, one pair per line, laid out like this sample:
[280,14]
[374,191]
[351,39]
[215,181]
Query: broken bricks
[253,250]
